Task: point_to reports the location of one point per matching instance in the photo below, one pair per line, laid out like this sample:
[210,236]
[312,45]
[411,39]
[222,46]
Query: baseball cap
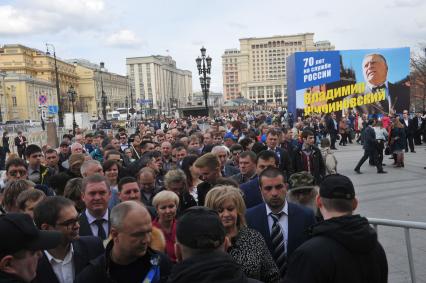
[200,228]
[337,186]
[20,233]
[300,181]
[76,158]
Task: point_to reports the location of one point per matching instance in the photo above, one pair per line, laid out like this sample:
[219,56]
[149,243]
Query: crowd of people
[239,198]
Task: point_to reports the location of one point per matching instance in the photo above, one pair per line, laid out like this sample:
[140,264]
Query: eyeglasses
[69,223]
[236,152]
[14,173]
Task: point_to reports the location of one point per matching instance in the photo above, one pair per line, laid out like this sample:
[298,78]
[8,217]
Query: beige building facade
[20,99]
[158,84]
[28,66]
[257,71]
[91,80]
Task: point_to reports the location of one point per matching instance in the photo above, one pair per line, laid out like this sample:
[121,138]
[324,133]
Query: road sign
[53,109]
[42,99]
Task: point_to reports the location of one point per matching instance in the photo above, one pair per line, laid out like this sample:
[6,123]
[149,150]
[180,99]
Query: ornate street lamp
[58,95]
[204,67]
[104,100]
[72,95]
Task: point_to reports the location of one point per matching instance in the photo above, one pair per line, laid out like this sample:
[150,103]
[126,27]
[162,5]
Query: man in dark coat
[343,247]
[128,257]
[21,144]
[370,148]
[332,129]
[59,214]
[309,158]
[409,130]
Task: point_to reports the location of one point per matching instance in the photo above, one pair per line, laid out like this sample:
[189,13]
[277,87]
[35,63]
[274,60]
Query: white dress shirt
[91,219]
[283,222]
[63,269]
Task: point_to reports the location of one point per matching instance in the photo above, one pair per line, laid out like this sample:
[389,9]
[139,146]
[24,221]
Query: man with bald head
[375,71]
[128,257]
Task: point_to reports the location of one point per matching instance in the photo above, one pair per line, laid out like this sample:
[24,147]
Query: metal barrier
[406,225]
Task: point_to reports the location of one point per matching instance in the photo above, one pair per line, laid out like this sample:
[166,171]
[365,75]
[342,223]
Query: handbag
[388,150]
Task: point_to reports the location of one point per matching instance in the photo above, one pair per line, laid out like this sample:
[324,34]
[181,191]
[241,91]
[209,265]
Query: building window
[14,101]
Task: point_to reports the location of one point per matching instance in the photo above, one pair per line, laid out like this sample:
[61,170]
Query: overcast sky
[110,31]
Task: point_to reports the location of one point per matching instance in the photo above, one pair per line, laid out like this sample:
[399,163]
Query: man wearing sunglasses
[282,224]
[64,262]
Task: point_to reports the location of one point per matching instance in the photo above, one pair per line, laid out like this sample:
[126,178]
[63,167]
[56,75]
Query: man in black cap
[200,249]
[21,244]
[342,248]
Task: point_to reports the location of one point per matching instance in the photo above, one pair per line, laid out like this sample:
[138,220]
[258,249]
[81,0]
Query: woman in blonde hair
[248,248]
[166,204]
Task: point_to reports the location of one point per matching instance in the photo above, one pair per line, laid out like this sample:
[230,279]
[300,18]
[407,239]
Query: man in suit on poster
[375,71]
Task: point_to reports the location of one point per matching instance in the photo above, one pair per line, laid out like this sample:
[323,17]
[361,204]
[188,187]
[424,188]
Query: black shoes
[357,171]
[382,172]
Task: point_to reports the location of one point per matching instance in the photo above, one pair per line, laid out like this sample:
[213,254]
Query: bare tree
[418,74]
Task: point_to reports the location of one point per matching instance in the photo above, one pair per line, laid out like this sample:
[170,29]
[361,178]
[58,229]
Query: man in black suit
[250,189]
[332,129]
[370,149]
[409,130]
[397,96]
[94,220]
[64,262]
[419,128]
[282,224]
[21,144]
[284,161]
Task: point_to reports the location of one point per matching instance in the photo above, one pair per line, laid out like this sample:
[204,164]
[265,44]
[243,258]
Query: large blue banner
[370,81]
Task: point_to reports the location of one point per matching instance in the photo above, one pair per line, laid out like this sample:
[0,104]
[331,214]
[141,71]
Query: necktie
[279,250]
[101,230]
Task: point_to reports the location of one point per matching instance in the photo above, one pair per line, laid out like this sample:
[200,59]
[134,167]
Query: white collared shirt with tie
[283,221]
[91,219]
[63,269]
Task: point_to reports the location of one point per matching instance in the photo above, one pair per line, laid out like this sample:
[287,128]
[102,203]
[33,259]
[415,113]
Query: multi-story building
[257,70]
[158,84]
[21,97]
[91,79]
[16,59]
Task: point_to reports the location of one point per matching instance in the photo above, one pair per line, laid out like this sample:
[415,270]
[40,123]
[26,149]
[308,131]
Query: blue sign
[316,68]
[144,101]
[53,109]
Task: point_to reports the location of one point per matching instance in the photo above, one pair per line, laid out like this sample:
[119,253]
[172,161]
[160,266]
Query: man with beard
[128,258]
[64,262]
[343,247]
[281,223]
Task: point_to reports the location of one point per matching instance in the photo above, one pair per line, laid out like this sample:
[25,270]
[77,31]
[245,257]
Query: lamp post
[127,108]
[3,92]
[72,95]
[204,67]
[58,94]
[103,96]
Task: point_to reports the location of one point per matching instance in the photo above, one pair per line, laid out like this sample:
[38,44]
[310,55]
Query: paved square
[398,195]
